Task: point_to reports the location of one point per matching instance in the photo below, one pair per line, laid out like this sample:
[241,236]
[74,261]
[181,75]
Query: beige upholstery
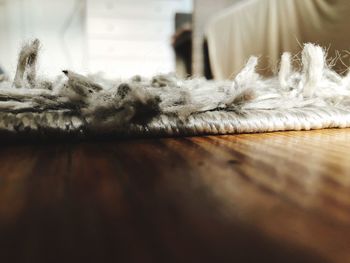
[268,27]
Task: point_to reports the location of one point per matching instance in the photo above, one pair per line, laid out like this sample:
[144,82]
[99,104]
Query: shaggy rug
[311,97]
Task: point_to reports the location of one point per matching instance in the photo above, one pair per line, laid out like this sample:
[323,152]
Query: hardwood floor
[273,197]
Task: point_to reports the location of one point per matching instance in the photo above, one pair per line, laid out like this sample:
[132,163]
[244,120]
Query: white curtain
[267,28]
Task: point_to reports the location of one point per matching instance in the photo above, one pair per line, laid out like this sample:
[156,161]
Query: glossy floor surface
[273,197]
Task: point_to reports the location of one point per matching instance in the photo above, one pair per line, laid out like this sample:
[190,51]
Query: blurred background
[209,38]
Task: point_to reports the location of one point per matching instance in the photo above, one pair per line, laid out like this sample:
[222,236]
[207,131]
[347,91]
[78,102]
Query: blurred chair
[182,44]
[267,28]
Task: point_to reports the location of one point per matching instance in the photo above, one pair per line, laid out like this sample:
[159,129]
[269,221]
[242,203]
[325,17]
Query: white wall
[128,37]
[59,24]
[72,37]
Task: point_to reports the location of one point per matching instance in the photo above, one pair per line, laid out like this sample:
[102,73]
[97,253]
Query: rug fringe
[98,105]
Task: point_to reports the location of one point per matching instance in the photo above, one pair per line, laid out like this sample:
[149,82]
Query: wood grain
[273,197]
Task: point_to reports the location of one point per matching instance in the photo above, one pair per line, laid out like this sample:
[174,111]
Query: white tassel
[248,74]
[26,67]
[313,60]
[285,70]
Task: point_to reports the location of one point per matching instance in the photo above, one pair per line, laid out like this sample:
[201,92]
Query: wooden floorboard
[272,197]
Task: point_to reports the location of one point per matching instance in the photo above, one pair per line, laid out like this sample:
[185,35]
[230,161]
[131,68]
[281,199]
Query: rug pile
[310,97]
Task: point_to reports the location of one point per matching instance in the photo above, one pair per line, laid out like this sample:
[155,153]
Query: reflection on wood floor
[273,197]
